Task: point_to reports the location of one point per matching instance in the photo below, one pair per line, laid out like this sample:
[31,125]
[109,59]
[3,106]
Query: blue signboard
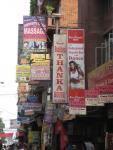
[32,99]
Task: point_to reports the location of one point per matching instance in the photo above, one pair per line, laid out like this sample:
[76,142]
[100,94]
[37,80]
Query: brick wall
[69,12]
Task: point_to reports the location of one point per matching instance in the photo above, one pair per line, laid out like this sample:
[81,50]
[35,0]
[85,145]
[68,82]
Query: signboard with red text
[101,76]
[34,34]
[92,98]
[77,102]
[105,93]
[59,71]
[76,70]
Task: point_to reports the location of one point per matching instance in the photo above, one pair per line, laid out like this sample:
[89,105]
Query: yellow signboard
[23,73]
[40,57]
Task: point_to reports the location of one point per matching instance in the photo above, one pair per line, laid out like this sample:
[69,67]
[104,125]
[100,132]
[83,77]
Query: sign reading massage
[34,37]
[59,71]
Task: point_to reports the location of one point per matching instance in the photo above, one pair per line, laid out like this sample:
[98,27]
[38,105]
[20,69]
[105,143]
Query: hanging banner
[77,102]
[60,69]
[6,135]
[76,70]
[34,34]
[22,73]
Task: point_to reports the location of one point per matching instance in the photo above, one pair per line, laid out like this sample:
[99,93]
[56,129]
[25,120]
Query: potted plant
[49,8]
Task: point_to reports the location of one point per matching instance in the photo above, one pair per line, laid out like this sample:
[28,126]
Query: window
[101,54]
[107,5]
[104,53]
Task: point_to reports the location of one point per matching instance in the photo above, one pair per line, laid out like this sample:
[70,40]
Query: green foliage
[49,8]
[33,7]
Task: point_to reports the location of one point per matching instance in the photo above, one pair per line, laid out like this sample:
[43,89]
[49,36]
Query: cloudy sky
[11,14]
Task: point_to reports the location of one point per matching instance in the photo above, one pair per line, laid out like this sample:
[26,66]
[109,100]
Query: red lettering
[59,49]
[59,56]
[59,88]
[60,62]
[59,69]
[59,75]
[59,81]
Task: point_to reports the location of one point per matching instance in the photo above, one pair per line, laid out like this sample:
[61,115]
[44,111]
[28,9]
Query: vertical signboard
[59,69]
[77,102]
[34,34]
[76,71]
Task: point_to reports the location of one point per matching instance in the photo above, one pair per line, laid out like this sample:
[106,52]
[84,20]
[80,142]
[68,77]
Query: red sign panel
[76,68]
[76,36]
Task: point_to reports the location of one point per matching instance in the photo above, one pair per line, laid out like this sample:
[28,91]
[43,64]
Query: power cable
[7,111]
[8,93]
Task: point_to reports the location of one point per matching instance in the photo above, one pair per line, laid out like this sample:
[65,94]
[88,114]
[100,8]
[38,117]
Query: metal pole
[57,24]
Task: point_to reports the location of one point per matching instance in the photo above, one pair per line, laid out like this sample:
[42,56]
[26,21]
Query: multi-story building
[95,17]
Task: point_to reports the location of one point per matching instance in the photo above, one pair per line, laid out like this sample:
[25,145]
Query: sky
[11,14]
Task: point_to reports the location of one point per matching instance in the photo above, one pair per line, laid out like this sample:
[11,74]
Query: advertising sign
[106,89]
[49,113]
[40,68]
[75,49]
[92,98]
[40,57]
[22,73]
[60,69]
[106,98]
[32,99]
[76,68]
[40,71]
[77,102]
[105,93]
[34,34]
[101,76]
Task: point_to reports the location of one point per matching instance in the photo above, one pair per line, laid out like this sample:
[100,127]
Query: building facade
[95,17]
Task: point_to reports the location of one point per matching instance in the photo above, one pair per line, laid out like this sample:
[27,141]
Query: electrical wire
[2,94]
[4,110]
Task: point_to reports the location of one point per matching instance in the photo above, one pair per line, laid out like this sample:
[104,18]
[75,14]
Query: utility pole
[56,16]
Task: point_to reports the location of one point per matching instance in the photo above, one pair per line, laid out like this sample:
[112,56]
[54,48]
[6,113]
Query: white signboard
[59,69]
